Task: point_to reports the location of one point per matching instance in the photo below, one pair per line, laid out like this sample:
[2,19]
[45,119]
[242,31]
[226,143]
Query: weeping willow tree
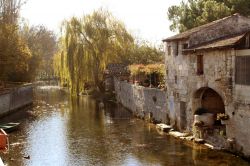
[87,45]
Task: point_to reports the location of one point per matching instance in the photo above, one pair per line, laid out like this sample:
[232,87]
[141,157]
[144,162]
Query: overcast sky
[146,19]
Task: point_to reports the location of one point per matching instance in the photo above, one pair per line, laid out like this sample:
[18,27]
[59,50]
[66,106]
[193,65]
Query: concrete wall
[15,98]
[142,101]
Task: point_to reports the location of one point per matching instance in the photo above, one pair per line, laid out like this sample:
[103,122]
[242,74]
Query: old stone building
[113,70]
[209,67]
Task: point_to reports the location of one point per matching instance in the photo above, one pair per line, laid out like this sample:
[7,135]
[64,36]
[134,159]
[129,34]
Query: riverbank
[15,98]
[187,138]
[151,105]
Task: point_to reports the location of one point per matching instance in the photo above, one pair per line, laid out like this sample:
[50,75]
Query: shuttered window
[242,73]
[200,65]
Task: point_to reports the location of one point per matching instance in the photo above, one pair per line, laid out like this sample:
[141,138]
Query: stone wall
[143,102]
[237,125]
[238,128]
[15,98]
[185,91]
[5,98]
[183,82]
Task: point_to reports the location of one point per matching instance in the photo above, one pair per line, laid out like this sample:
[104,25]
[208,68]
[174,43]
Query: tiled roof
[188,33]
[222,43]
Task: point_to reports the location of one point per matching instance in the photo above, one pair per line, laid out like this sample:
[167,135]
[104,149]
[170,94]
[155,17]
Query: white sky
[147,19]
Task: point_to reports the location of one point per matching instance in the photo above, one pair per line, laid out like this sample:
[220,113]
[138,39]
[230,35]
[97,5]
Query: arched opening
[212,102]
[208,106]
[208,99]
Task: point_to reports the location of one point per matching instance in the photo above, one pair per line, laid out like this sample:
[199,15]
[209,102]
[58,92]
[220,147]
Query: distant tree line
[193,13]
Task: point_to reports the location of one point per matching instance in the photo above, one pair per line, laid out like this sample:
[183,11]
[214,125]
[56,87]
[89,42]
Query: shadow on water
[61,130]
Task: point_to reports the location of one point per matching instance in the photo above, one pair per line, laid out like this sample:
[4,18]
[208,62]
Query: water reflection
[60,130]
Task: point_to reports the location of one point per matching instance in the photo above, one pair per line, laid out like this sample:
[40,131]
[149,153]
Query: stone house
[209,67]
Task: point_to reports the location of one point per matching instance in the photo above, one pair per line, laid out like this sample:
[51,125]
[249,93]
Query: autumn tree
[193,13]
[42,44]
[14,53]
[9,11]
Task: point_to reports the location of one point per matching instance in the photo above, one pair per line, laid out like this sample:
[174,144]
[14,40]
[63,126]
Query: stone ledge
[178,134]
[163,127]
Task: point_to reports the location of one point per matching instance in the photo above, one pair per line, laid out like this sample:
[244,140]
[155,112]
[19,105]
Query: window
[242,73]
[185,46]
[169,50]
[177,49]
[200,65]
[175,79]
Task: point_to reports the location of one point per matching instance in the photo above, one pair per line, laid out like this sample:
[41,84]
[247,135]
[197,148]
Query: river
[63,131]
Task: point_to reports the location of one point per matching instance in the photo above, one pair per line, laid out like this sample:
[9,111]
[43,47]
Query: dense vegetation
[23,50]
[86,46]
[89,43]
[14,53]
[193,13]
[149,70]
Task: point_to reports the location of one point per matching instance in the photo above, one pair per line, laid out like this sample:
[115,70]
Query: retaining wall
[142,101]
[15,98]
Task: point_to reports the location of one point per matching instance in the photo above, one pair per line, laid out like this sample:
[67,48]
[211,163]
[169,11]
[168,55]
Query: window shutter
[247,68]
[242,70]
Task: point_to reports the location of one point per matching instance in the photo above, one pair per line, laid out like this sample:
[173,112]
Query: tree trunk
[98,83]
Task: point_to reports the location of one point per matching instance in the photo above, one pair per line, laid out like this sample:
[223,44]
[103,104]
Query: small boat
[4,140]
[9,127]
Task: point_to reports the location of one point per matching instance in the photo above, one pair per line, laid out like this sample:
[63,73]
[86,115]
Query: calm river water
[61,131]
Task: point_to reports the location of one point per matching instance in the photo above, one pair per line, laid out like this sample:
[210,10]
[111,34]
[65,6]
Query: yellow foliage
[88,44]
[14,54]
[147,69]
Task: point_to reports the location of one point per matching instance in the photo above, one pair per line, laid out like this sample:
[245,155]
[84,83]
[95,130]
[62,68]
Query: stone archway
[206,123]
[212,101]
[209,99]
